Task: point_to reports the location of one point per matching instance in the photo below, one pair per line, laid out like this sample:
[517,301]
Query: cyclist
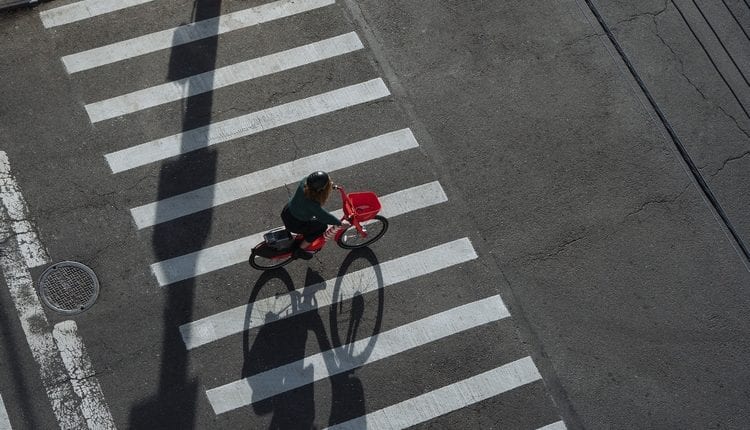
[304,214]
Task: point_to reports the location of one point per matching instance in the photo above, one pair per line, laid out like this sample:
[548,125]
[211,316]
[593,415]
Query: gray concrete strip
[75,403]
[12,3]
[608,246]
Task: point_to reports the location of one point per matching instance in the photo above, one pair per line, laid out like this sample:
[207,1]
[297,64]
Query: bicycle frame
[357,208]
[334,231]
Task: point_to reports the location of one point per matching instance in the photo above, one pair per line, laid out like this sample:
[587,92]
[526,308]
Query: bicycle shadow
[279,341]
[347,390]
[283,339]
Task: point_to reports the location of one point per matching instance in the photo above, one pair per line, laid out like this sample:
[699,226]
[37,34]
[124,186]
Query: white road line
[29,245]
[4,420]
[268,179]
[81,372]
[188,33]
[447,399]
[318,296]
[246,125]
[55,378]
[332,362]
[237,251]
[223,77]
[84,9]
[554,426]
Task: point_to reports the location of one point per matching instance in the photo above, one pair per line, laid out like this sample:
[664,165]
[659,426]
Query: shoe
[301,253]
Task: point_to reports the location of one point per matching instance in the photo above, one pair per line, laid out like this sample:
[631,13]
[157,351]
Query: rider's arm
[326,217]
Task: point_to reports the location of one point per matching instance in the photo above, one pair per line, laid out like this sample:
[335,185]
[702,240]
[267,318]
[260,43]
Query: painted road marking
[246,125]
[237,251]
[29,245]
[188,33]
[83,10]
[332,362]
[320,295]
[66,402]
[223,77]
[4,420]
[450,398]
[81,372]
[274,177]
[554,426]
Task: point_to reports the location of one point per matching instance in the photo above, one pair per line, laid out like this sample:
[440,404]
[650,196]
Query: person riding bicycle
[304,213]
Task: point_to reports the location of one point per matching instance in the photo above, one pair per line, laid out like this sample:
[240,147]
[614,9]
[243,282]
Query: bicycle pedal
[302,254]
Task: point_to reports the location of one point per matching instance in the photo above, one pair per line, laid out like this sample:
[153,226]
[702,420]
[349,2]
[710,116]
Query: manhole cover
[68,287]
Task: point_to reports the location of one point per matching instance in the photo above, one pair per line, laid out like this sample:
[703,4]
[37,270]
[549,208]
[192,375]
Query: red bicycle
[360,209]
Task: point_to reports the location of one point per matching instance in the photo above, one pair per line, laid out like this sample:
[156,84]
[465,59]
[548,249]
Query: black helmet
[317,180]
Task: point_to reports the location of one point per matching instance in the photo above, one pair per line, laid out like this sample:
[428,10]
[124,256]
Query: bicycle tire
[260,262]
[345,242]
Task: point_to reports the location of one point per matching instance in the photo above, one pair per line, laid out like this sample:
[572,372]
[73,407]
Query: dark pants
[311,230]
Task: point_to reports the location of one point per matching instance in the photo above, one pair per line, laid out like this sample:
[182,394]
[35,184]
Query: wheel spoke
[373,228]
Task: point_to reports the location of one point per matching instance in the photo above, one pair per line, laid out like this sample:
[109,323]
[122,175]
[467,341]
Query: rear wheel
[375,229]
[263,257]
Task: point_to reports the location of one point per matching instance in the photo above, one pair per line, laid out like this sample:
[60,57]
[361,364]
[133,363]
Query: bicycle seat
[280,238]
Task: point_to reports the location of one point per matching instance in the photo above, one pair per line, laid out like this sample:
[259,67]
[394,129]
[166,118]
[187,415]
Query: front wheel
[263,257]
[375,229]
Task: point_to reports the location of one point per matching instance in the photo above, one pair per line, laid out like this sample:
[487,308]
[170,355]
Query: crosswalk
[328,363]
[363,281]
[441,253]
[252,123]
[225,76]
[236,251]
[449,398]
[257,182]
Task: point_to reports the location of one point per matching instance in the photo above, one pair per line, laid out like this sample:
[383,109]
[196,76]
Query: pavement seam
[693,169]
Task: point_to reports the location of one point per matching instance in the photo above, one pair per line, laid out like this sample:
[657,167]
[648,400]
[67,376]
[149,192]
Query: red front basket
[366,204]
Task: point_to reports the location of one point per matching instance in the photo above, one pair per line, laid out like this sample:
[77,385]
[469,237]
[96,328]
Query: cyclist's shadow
[347,390]
[282,340]
[279,341]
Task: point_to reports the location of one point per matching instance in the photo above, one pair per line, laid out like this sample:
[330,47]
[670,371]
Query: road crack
[682,73]
[729,160]
[637,16]
[660,201]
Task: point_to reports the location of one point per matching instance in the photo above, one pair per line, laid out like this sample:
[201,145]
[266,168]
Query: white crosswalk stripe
[237,251]
[431,405]
[317,296]
[268,179]
[559,425]
[383,345]
[246,125]
[225,76]
[4,420]
[188,33]
[83,10]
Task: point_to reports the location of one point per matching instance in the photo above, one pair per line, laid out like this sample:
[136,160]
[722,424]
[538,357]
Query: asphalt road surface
[565,183]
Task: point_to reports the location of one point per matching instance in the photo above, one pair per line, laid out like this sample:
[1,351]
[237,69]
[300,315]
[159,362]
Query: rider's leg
[313,231]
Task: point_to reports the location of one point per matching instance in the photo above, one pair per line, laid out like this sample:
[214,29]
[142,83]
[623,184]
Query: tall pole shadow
[173,406]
